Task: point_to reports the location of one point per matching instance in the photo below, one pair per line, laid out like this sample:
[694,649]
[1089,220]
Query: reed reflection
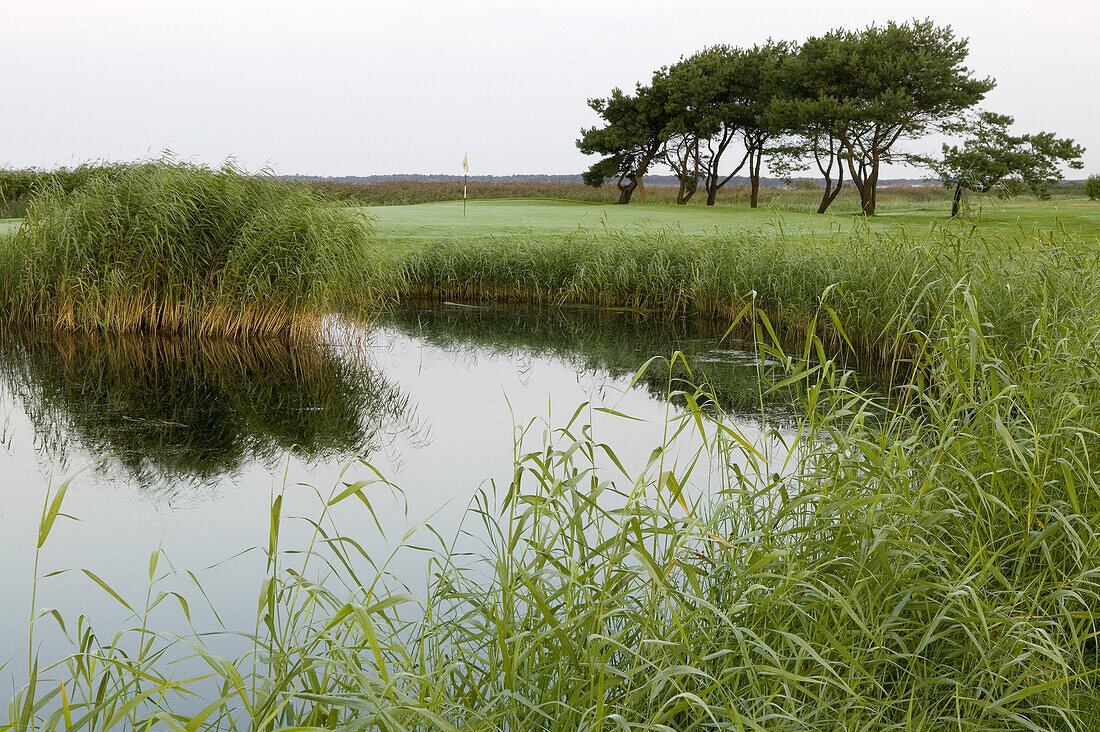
[192,408]
[729,374]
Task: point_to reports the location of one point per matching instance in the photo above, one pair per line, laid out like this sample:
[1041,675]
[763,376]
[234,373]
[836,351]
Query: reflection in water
[195,409]
[617,343]
[184,410]
[176,414]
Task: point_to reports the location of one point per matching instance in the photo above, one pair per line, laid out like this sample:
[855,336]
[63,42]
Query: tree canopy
[992,154]
[631,136]
[874,87]
[845,101]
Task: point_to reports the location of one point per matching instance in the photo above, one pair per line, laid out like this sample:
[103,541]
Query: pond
[181,444]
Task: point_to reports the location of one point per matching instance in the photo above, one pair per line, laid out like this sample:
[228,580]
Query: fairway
[551,218]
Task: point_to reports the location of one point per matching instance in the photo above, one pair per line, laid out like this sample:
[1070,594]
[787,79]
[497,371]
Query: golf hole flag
[465,172]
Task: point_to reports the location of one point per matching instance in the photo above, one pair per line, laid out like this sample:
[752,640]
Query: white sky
[369,87]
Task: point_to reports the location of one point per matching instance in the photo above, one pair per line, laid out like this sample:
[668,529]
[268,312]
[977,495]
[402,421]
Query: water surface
[182,443]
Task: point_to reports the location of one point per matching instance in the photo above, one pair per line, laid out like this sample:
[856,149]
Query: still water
[181,444]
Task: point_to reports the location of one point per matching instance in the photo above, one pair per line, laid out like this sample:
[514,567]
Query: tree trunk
[830,193]
[956,200]
[866,195]
[684,194]
[863,181]
[754,180]
[872,186]
[625,191]
[713,181]
[641,189]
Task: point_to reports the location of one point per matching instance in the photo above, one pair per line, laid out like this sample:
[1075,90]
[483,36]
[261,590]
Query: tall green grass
[881,285]
[924,559]
[165,246]
[929,560]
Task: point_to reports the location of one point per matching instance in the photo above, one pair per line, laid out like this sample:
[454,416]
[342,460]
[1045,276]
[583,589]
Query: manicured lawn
[548,217]
[504,217]
[435,221]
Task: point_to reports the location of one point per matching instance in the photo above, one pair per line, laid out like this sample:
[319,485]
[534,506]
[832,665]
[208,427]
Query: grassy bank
[880,285]
[171,247]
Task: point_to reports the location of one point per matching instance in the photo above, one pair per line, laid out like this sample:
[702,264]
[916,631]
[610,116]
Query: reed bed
[171,247]
[931,562]
[881,286]
[923,560]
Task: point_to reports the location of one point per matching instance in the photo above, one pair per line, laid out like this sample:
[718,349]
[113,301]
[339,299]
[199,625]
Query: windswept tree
[811,130]
[702,97]
[723,94]
[630,139]
[992,154]
[871,89]
[690,124]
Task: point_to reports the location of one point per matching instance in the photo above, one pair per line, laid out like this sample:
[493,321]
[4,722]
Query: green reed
[881,286]
[929,560]
[164,246]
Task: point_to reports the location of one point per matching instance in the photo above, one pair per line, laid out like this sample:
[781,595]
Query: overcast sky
[408,86]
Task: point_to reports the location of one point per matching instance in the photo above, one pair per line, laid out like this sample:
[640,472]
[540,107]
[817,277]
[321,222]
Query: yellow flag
[465,163]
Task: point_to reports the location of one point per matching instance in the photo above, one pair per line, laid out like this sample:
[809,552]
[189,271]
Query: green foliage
[873,87]
[991,154]
[927,559]
[633,132]
[847,97]
[1092,187]
[170,246]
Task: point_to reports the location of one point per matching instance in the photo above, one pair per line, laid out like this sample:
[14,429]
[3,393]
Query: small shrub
[1092,187]
[804,184]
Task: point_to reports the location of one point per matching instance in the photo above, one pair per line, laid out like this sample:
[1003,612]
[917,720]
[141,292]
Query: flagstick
[465,172]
